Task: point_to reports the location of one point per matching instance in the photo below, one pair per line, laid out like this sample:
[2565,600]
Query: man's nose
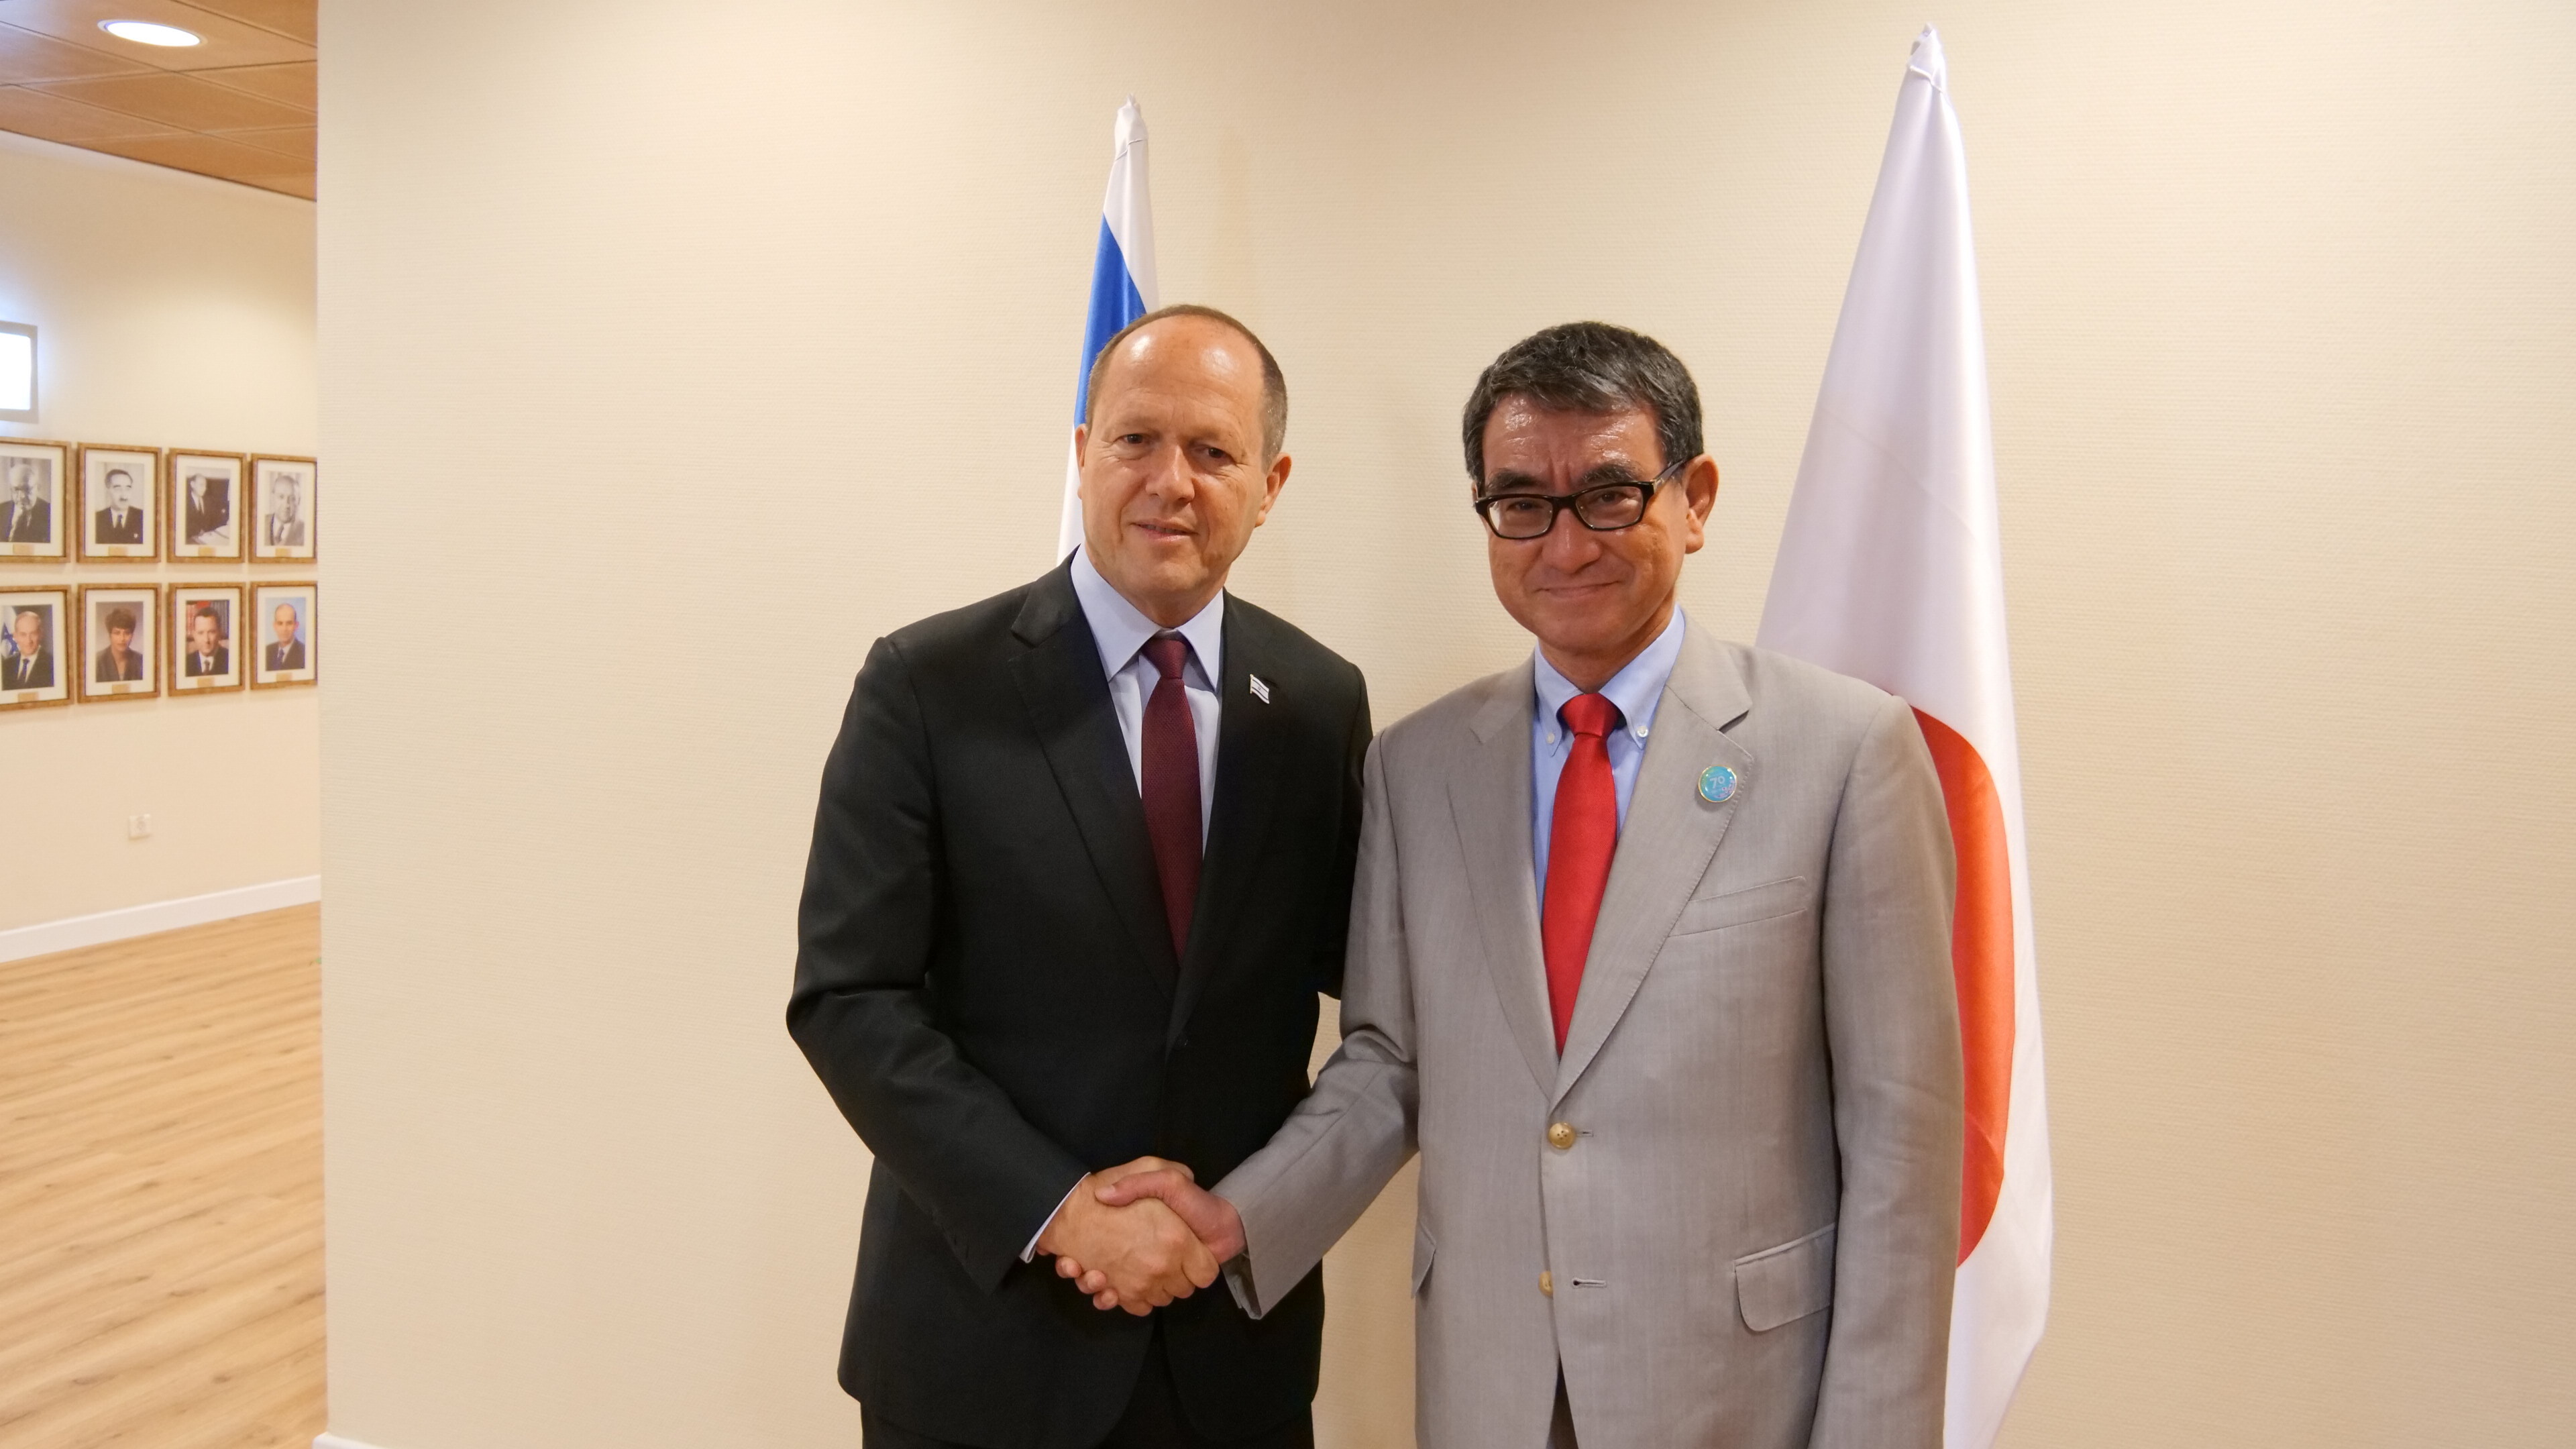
[1569,545]
[1170,476]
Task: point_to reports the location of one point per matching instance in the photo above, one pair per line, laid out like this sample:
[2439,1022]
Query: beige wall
[677,351]
[171,311]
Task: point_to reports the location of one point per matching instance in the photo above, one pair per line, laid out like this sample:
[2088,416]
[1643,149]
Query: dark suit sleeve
[1346,844]
[861,1011]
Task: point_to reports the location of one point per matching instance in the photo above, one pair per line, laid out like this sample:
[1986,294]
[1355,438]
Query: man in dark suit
[32,666]
[210,508]
[119,662]
[288,651]
[1082,862]
[30,518]
[206,652]
[121,521]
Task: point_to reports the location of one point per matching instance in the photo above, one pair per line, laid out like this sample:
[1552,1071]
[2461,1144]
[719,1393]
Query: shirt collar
[1636,689]
[1121,629]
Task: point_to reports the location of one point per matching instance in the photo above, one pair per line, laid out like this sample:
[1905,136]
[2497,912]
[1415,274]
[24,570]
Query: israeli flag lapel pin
[1260,691]
[1717,784]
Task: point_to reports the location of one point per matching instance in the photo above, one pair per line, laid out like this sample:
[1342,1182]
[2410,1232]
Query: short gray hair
[1590,367]
[1274,383]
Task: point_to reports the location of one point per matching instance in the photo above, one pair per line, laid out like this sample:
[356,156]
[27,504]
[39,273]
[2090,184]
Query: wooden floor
[161,1190]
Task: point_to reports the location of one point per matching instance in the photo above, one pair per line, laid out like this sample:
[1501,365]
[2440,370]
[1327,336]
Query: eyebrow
[1515,481]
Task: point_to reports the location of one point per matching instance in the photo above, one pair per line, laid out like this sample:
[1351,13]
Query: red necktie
[1172,786]
[1580,841]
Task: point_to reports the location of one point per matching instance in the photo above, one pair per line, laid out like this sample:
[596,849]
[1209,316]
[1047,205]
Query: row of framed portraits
[135,505]
[100,642]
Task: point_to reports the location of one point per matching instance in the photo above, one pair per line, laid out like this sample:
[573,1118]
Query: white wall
[172,311]
[651,327]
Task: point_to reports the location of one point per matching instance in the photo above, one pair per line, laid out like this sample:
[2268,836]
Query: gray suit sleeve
[1892,1026]
[1333,1155]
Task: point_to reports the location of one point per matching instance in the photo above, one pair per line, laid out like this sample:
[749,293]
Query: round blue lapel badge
[1717,784]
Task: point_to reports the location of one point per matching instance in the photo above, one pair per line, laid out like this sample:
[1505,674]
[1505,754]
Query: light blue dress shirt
[1121,630]
[1636,689]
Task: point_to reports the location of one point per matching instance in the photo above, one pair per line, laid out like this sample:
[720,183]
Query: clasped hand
[1140,1236]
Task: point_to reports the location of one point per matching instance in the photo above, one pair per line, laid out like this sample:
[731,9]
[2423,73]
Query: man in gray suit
[1650,954]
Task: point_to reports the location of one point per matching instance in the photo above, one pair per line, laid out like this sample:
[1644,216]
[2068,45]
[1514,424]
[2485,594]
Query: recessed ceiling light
[144,32]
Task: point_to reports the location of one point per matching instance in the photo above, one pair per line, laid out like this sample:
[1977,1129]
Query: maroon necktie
[1172,786]
[1580,841]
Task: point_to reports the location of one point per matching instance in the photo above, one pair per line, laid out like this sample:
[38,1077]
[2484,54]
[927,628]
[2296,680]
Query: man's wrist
[1038,1239]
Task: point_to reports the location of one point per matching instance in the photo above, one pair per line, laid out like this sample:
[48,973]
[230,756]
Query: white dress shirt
[1121,630]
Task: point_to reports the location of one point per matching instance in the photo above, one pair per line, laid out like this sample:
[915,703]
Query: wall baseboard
[46,937]
[334,1441]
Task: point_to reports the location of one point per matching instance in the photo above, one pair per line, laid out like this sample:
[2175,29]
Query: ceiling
[240,106]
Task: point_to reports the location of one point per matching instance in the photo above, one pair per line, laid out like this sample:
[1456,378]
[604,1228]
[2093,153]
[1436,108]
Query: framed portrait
[35,625]
[204,639]
[35,501]
[120,501]
[285,525]
[120,650]
[289,649]
[205,494]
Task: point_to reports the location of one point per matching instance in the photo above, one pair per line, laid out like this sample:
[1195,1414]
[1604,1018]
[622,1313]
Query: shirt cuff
[1031,1251]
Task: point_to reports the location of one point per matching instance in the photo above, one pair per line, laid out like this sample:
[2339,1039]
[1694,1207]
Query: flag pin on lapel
[1260,691]
[1717,784]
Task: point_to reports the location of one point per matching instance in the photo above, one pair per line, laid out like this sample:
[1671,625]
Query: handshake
[1139,1236]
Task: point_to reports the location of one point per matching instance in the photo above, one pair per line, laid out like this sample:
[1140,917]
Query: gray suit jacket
[1750,1239]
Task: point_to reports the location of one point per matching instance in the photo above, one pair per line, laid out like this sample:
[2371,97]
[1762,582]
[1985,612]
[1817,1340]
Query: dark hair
[1589,367]
[121,619]
[1274,383]
[125,474]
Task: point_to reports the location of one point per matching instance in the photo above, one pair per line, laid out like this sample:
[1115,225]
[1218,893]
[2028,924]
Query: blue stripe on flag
[1114,303]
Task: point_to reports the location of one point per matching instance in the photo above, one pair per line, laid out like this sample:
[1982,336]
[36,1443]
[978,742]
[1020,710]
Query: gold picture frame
[120,524]
[265,600]
[54,608]
[228,601]
[40,533]
[203,522]
[105,675]
[267,471]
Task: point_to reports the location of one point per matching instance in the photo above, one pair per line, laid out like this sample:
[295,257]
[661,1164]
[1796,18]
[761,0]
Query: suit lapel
[1489,802]
[1252,752]
[1067,698]
[1665,845]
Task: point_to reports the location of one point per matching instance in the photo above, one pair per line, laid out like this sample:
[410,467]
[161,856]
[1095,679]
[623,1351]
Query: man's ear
[1081,440]
[1699,498]
[1271,484]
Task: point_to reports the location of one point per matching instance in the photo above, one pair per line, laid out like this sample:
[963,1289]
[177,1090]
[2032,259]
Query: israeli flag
[1122,289]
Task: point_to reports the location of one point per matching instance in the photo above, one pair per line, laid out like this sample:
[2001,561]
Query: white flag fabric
[1891,569]
[1122,287]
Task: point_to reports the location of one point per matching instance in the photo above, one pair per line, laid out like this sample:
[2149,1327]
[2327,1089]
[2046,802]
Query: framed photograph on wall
[205,641]
[205,496]
[120,493]
[285,522]
[282,630]
[34,627]
[36,509]
[120,652]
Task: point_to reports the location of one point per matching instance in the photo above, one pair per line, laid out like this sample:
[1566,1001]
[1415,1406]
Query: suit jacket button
[1560,1135]
[1547,1284]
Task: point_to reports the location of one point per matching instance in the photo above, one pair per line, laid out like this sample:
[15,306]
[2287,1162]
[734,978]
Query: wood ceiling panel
[289,84]
[298,183]
[180,100]
[228,42]
[51,118]
[286,17]
[295,141]
[27,56]
[206,155]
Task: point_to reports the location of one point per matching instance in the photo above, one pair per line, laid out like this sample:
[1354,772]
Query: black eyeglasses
[1603,507]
